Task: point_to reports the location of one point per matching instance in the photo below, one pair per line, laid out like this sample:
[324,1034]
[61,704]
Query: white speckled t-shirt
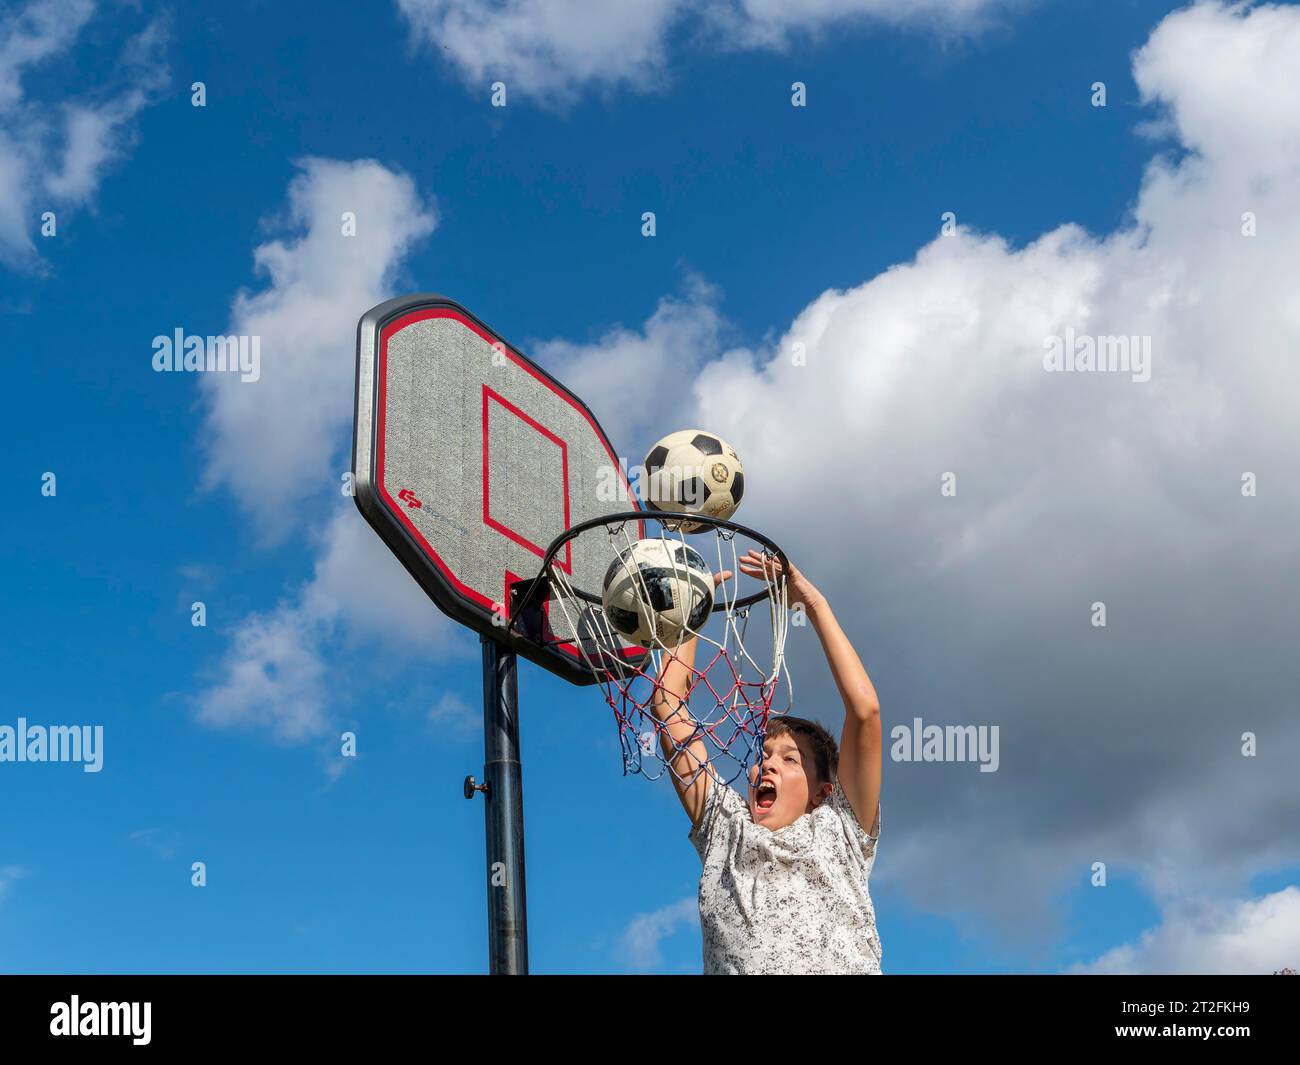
[793,901]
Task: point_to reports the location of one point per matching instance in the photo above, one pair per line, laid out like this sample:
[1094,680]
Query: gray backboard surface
[469,460]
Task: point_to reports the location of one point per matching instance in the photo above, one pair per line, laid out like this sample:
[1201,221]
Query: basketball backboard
[469,459]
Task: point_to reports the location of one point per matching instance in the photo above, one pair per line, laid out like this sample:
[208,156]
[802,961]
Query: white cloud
[553,48]
[639,946]
[1072,488]
[610,374]
[1228,101]
[451,712]
[9,874]
[54,153]
[280,445]
[1254,936]
[278,441]
[274,677]
[162,842]
[280,671]
[88,147]
[772,23]
[547,46]
[42,29]
[357,580]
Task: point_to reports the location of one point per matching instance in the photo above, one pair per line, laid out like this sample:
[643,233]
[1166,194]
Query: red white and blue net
[738,678]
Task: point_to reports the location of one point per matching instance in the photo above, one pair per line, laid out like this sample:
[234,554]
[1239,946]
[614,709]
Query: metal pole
[504,813]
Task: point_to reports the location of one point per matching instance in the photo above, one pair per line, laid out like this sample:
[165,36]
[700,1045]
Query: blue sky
[534,222]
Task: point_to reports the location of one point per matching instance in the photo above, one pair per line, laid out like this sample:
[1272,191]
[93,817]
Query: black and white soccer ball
[694,472]
[657,591]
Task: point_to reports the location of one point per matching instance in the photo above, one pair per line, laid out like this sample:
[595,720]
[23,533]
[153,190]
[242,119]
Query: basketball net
[731,687]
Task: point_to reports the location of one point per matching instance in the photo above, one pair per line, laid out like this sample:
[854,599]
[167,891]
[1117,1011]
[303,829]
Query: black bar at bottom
[1252,1015]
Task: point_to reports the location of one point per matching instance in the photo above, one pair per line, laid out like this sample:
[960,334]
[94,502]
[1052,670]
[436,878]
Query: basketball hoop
[732,687]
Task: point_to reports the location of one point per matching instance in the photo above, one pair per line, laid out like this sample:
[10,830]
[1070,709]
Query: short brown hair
[826,752]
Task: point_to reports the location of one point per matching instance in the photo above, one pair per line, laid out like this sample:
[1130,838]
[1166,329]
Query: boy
[784,886]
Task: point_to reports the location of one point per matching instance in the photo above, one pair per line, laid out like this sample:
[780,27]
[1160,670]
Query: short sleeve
[720,806]
[852,826]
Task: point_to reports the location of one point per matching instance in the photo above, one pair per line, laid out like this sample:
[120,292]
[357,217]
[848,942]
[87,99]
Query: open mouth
[765,797]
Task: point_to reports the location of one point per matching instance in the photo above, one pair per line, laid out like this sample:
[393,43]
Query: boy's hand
[766,567]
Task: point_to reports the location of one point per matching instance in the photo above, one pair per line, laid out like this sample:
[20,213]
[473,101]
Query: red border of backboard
[537,549]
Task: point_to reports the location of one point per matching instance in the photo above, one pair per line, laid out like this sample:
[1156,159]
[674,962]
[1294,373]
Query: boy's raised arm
[680,740]
[683,748]
[860,741]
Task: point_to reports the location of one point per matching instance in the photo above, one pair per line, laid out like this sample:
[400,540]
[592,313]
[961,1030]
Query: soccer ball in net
[656,591]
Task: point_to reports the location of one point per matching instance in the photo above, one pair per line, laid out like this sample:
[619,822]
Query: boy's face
[785,786]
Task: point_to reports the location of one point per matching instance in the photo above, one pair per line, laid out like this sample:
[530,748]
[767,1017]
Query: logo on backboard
[408,497]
